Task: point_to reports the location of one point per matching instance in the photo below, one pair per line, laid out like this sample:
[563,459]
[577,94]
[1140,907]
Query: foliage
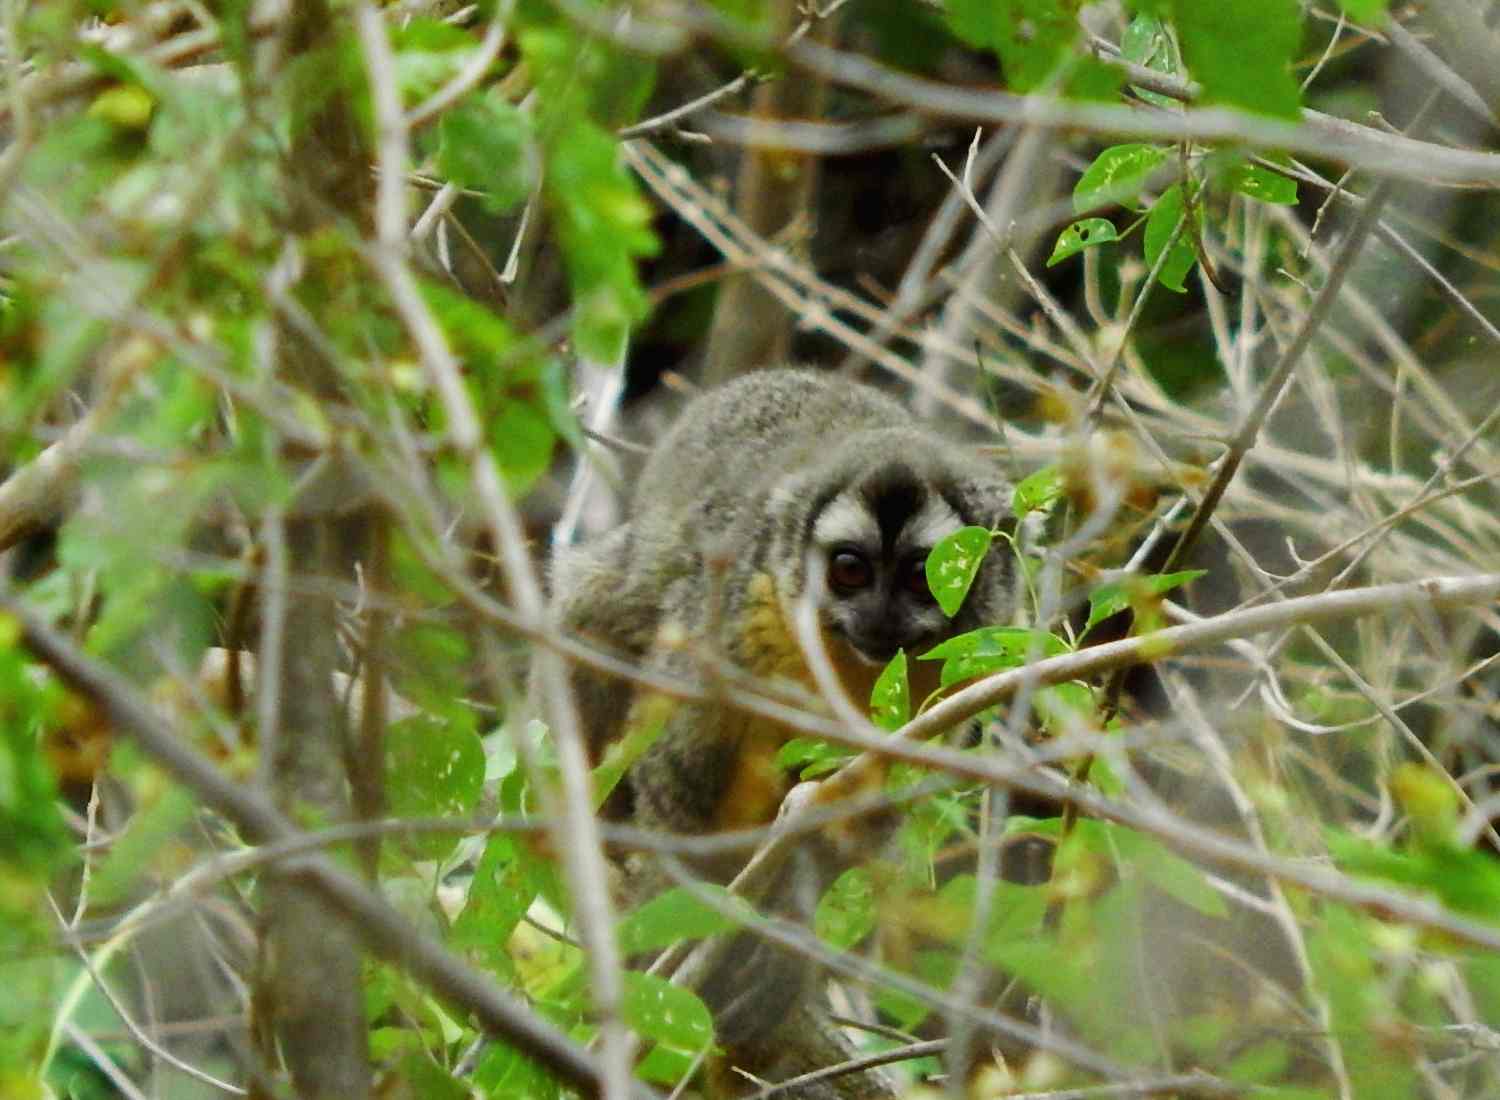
[230,393]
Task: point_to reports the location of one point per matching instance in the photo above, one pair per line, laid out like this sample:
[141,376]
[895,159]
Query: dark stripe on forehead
[894,495]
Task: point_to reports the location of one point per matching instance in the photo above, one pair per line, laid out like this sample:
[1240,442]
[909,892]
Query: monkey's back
[735,438]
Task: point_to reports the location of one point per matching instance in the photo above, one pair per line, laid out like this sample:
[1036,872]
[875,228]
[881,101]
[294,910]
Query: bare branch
[1317,135]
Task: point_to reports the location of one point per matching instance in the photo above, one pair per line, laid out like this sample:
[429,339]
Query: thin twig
[668,120]
[907,1053]
[1249,431]
[469,76]
[1316,135]
[135,1029]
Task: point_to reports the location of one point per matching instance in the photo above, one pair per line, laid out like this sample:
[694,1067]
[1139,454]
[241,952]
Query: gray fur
[733,491]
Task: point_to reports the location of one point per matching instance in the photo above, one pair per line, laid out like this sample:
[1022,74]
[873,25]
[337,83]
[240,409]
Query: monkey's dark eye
[848,571]
[916,579]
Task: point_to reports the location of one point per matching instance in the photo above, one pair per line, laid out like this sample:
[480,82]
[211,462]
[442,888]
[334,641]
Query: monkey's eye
[916,579]
[849,571]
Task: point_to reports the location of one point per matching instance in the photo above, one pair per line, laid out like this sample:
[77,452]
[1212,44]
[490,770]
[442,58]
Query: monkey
[780,485]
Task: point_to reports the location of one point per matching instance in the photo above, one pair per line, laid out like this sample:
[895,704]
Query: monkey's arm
[712,769]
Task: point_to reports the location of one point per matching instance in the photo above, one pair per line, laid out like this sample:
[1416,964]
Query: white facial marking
[846,519]
[930,523]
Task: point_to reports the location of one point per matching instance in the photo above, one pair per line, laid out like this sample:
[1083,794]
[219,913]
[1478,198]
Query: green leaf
[678,914]
[1345,950]
[1117,176]
[990,649]
[522,439]
[1160,225]
[1148,41]
[475,332]
[603,225]
[937,969]
[1464,879]
[581,77]
[426,667]
[425,1078]
[645,726]
[911,38]
[929,826]
[1091,79]
[1115,596]
[485,144]
[1016,912]
[671,1015]
[846,912]
[1037,491]
[505,1071]
[1431,803]
[126,106]
[1080,235]
[1369,12]
[1170,873]
[1064,706]
[1136,852]
[1261,184]
[953,564]
[1033,38]
[890,699]
[506,882]
[429,53]
[1242,51]
[31,828]
[1263,1062]
[512,382]
[810,757]
[432,769]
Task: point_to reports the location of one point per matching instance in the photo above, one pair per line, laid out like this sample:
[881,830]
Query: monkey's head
[856,532]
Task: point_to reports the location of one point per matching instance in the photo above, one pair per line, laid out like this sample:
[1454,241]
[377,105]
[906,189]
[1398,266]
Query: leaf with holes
[1080,235]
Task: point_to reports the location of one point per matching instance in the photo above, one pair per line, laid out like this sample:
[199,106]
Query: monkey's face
[870,545]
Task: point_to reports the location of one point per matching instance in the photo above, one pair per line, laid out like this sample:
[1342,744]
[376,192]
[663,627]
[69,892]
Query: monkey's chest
[768,649]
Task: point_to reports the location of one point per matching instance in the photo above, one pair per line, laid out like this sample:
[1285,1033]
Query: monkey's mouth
[877,652]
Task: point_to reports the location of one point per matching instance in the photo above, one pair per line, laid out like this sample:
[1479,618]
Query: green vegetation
[303,314]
